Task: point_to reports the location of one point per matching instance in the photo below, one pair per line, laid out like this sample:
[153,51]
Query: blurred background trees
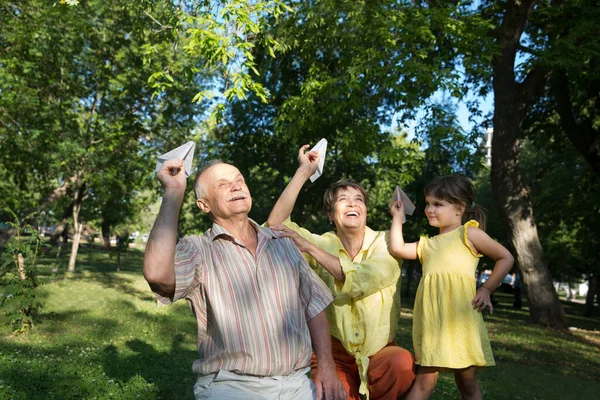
[91,93]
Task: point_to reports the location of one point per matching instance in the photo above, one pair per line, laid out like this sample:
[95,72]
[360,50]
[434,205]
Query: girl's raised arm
[398,248]
[484,244]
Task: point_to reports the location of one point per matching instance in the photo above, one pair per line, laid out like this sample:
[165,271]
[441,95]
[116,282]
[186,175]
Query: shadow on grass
[154,366]
[563,353]
[140,372]
[123,356]
[93,258]
[97,265]
[115,280]
[515,340]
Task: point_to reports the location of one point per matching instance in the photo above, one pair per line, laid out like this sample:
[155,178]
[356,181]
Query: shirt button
[356,334]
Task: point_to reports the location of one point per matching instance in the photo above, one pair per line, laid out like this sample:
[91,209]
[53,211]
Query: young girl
[448,330]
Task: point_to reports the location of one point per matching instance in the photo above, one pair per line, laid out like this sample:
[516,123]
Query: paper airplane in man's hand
[399,195]
[320,148]
[185,152]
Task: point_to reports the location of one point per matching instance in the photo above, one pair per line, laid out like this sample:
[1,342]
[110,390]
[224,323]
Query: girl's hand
[302,244]
[482,300]
[397,209]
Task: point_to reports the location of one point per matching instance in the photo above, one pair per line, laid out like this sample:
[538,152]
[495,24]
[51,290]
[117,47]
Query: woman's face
[349,209]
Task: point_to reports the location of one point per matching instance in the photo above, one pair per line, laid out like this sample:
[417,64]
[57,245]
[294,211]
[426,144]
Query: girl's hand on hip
[482,300]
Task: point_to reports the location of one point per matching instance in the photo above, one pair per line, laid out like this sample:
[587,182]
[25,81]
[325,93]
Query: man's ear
[203,205]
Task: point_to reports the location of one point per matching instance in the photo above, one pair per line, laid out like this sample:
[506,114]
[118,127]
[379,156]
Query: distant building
[488,146]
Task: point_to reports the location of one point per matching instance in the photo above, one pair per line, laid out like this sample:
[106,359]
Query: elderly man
[354,262]
[256,301]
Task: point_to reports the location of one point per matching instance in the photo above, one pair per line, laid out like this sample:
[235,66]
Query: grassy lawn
[102,335]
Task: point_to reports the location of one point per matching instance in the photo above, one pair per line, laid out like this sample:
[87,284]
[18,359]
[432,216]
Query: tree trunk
[106,233]
[77,226]
[511,99]
[21,267]
[514,199]
[62,226]
[57,193]
[593,291]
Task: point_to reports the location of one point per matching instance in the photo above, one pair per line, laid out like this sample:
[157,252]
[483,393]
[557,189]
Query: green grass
[531,362]
[102,335]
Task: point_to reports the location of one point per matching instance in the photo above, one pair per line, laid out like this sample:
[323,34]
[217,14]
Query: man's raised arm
[159,258]
[285,204]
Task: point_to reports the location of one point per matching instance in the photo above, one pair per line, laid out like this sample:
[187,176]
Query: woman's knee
[402,362]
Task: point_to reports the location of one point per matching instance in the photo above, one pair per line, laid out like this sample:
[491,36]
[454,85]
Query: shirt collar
[370,236]
[217,230]
[368,239]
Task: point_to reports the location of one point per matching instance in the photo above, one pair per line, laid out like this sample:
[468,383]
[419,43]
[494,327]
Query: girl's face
[442,214]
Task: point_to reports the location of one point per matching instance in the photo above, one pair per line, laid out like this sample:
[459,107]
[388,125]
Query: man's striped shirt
[251,312]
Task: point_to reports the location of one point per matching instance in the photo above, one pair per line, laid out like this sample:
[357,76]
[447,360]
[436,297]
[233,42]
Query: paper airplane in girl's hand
[185,152]
[399,195]
[320,148]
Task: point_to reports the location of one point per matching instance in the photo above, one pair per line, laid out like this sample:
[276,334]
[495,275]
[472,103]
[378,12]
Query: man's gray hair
[198,188]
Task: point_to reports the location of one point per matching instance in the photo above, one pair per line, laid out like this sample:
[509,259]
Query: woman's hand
[302,244]
[308,161]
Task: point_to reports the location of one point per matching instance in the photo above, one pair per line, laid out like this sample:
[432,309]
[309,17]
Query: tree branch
[163,27]
[583,136]
[534,82]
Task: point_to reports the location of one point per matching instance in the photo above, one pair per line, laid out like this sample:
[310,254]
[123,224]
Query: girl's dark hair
[457,189]
[330,195]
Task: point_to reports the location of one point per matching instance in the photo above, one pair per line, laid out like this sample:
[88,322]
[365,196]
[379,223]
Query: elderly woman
[355,263]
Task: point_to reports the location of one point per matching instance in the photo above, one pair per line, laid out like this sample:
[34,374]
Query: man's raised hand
[172,176]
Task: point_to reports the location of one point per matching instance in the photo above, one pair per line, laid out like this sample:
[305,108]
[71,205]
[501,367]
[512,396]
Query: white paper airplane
[320,148]
[399,195]
[185,152]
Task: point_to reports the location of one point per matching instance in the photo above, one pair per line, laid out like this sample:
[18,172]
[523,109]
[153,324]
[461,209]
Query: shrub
[18,273]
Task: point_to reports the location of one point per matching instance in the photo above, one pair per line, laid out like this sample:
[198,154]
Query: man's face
[226,192]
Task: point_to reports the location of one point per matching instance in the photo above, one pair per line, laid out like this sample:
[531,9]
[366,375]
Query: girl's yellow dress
[447,332]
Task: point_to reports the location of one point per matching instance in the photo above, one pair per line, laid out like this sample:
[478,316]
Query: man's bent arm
[159,258]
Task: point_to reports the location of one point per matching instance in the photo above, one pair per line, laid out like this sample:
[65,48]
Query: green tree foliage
[344,70]
[567,49]
[223,33]
[82,72]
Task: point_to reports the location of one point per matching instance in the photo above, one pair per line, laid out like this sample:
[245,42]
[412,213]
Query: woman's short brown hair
[331,193]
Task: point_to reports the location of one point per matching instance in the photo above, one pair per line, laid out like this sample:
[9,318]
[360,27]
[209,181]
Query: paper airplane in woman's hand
[185,152]
[320,148]
[399,195]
